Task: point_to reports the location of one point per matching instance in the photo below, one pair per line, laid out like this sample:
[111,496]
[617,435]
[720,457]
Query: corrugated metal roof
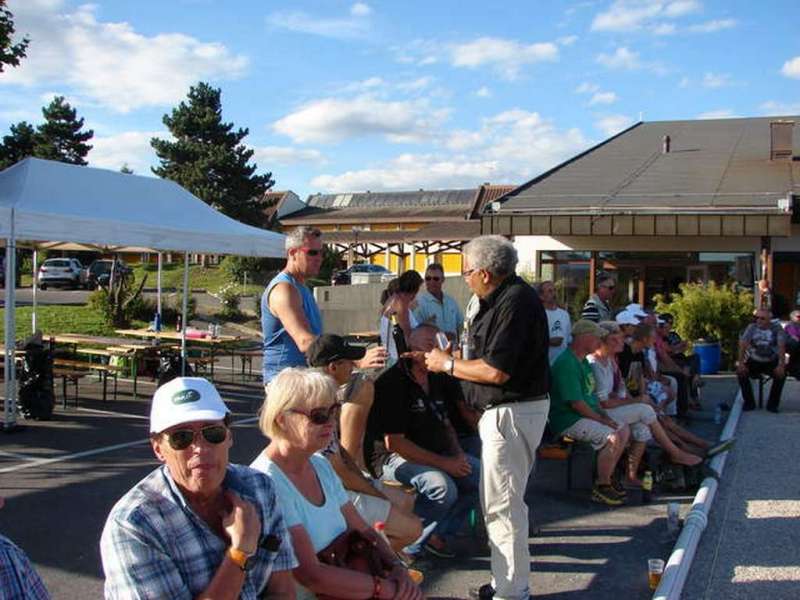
[713,164]
[394,199]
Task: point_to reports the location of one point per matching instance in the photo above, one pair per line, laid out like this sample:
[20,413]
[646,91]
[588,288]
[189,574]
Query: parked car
[61,272]
[99,272]
[373,272]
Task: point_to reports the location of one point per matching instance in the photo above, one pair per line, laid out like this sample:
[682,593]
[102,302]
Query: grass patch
[61,319]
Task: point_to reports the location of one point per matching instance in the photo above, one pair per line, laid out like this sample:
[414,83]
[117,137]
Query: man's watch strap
[240,558]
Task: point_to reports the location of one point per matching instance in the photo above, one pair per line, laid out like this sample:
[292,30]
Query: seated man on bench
[762,351]
[410,439]
[575,411]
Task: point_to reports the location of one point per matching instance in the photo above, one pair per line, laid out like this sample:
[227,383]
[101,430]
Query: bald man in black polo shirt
[508,379]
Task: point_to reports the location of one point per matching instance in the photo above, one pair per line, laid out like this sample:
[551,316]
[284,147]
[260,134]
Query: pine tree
[10,53]
[60,136]
[18,144]
[208,158]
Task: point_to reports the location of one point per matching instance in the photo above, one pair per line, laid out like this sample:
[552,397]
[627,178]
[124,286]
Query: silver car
[61,272]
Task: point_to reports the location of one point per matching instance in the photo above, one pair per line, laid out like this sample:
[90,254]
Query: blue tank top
[280,351]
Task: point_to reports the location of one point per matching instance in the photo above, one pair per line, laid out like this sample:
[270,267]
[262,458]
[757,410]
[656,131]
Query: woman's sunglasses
[183,438]
[321,415]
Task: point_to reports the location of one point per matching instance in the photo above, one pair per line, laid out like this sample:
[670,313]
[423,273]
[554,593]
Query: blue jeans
[443,502]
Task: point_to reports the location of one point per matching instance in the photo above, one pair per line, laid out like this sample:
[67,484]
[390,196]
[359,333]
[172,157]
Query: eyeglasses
[310,252]
[183,438]
[468,272]
[319,416]
[430,278]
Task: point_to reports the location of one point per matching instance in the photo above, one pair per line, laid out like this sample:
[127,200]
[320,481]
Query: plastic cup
[655,569]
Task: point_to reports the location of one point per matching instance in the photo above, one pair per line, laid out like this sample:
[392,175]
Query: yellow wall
[451,263]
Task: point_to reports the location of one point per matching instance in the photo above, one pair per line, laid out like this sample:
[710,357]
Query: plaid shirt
[154,546]
[18,580]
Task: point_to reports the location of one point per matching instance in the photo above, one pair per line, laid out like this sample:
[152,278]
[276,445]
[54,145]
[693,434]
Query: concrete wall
[350,308]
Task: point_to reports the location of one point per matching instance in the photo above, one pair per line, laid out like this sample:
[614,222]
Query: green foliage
[259,270]
[173,305]
[208,158]
[60,136]
[710,312]
[229,297]
[10,52]
[18,144]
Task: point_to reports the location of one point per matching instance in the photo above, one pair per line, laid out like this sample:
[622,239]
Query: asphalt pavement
[61,478]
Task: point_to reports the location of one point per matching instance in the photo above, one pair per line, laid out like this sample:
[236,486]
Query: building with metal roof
[665,202]
[400,230]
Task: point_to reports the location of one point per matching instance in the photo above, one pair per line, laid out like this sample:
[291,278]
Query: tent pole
[10,409]
[158,286]
[33,314]
[184,310]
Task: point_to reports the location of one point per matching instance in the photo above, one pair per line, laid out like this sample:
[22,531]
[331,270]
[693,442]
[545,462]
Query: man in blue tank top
[290,318]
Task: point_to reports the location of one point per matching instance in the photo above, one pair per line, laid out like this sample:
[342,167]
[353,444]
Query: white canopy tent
[44,201]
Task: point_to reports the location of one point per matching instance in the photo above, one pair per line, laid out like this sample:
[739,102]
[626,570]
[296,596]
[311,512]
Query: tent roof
[54,201]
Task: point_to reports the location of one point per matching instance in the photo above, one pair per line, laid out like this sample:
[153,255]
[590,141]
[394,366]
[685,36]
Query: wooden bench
[246,355]
[578,455]
[74,370]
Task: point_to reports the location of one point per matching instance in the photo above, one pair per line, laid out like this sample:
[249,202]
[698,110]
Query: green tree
[18,144]
[60,137]
[10,52]
[208,158]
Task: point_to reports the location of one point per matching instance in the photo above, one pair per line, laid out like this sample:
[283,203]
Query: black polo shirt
[402,406]
[510,333]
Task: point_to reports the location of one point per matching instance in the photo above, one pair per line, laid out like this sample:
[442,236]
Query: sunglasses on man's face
[321,415]
[310,252]
[432,278]
[183,438]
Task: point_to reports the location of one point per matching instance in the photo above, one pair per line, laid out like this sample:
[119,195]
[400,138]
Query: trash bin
[709,354]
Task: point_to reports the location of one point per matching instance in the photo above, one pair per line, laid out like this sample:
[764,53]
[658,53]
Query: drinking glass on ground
[655,569]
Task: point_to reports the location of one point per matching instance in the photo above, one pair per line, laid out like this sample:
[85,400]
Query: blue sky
[352,96]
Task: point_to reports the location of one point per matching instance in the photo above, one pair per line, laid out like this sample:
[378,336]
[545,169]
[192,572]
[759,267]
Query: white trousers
[510,434]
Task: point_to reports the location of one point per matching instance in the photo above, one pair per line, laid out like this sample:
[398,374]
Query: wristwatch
[242,559]
[449,365]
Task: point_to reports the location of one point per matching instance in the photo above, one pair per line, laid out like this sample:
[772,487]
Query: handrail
[680,561]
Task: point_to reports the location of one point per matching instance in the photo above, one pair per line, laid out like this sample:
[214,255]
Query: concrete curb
[680,561]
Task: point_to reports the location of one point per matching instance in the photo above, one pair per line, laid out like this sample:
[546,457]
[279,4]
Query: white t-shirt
[322,523]
[560,326]
[387,341]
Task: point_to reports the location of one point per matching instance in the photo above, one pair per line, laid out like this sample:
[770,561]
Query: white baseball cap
[636,310]
[183,400]
[625,317]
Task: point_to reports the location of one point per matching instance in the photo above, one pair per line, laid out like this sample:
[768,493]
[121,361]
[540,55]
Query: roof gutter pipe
[680,561]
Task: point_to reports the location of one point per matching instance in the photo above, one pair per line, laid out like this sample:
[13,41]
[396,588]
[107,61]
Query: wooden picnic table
[211,342]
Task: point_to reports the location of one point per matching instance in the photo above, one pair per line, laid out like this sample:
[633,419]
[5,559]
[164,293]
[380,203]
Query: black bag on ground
[36,399]
[169,367]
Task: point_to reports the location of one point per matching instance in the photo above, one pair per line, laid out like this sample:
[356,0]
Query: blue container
[710,355]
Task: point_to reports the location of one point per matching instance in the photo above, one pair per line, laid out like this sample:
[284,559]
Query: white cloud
[506,56]
[664,29]
[483,92]
[722,113]
[621,59]
[587,88]
[791,68]
[771,107]
[716,80]
[415,85]
[129,147]
[354,26]
[613,124]
[685,82]
[359,9]
[712,26]
[110,63]
[266,156]
[627,15]
[509,147]
[567,40]
[603,98]
[335,120]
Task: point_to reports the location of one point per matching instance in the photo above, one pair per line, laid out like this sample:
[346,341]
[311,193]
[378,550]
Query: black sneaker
[748,407]
[773,409]
[619,488]
[485,592]
[605,494]
[442,552]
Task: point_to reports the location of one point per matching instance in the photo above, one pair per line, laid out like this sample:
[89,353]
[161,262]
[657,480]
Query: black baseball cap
[329,347]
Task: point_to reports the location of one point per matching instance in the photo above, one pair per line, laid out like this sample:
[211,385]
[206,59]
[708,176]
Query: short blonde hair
[291,388]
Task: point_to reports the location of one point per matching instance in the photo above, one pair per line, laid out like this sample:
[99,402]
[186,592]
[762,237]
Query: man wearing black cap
[332,355]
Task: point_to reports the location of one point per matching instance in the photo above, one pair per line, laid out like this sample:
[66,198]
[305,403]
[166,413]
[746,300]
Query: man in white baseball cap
[197,525]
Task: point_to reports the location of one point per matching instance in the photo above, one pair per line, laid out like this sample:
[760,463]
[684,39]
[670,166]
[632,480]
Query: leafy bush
[259,270]
[172,305]
[230,297]
[710,312]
